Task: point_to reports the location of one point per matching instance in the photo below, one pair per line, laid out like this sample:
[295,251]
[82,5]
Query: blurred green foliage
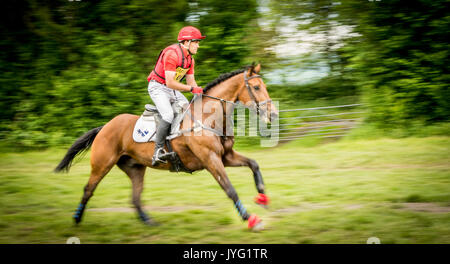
[68,66]
[402,61]
[398,58]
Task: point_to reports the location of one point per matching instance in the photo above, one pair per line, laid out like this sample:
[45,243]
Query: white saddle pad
[144,129]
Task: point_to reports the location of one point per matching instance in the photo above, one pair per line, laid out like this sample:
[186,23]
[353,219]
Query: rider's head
[190,37]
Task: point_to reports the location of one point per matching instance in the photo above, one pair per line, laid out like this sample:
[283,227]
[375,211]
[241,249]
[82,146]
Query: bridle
[252,95]
[250,92]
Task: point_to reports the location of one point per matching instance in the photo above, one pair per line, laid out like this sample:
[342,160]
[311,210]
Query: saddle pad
[144,129]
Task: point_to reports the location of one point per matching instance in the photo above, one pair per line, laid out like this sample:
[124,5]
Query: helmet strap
[188,46]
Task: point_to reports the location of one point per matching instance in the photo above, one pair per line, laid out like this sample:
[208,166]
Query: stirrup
[156,158]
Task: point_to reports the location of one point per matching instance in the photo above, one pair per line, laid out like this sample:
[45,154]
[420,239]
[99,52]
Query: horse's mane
[222,78]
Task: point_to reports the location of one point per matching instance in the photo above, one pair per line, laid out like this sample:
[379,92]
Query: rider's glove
[196,90]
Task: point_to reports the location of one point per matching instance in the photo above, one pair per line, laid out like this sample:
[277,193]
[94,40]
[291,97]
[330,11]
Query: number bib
[180,73]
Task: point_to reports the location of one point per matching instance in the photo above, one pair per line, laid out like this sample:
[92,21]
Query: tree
[73,65]
[402,60]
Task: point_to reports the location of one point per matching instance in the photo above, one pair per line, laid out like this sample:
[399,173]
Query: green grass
[340,192]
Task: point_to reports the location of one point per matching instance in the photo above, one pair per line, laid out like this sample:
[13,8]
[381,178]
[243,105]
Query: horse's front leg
[213,163]
[234,159]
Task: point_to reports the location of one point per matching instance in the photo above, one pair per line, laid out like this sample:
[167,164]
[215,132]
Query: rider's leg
[181,98]
[160,138]
[161,97]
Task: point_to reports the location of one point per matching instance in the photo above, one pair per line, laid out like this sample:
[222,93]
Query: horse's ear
[257,68]
[252,69]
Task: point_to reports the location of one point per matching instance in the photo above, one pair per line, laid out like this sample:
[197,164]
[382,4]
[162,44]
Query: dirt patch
[354,206]
[425,207]
[301,208]
[395,166]
[151,208]
[305,207]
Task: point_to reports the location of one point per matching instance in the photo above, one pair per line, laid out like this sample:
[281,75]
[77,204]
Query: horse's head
[254,94]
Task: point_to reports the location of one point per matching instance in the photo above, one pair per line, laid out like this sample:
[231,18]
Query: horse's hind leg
[234,159]
[100,166]
[136,173]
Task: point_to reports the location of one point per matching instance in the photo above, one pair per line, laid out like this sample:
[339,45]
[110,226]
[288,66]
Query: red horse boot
[262,200]
[254,223]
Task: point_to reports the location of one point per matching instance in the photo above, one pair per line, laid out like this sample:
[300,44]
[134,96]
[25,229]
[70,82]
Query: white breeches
[163,97]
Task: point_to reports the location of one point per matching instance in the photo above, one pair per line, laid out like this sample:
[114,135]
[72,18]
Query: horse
[112,144]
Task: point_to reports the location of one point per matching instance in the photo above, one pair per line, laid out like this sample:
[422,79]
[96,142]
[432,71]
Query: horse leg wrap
[241,210]
[79,212]
[144,217]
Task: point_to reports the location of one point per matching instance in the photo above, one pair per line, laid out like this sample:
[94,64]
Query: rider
[174,63]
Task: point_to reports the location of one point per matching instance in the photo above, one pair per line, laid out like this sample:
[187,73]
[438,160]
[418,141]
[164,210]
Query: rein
[217,98]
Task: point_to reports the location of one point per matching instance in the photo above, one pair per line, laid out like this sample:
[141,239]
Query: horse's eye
[256,87]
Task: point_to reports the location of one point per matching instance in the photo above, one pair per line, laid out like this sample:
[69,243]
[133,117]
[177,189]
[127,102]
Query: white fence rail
[316,122]
[326,125]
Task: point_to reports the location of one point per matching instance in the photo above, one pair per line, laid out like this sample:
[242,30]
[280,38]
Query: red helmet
[190,33]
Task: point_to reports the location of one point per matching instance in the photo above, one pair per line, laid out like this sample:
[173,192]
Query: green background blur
[69,66]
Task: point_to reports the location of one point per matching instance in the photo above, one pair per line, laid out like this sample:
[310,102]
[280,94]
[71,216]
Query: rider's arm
[174,84]
[170,66]
[190,80]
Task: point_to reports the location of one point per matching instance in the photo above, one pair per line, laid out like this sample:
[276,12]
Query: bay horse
[113,144]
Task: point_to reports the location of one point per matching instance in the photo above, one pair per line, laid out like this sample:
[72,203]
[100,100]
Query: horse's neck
[227,90]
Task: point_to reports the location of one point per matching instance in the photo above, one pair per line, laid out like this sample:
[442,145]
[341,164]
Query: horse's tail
[82,144]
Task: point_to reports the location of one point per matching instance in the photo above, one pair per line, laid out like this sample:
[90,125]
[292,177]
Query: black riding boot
[160,138]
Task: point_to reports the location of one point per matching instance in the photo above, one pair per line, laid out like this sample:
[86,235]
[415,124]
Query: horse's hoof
[255,224]
[258,227]
[262,200]
[150,222]
[77,221]
[146,219]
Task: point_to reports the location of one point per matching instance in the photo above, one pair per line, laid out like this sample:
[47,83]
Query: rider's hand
[196,90]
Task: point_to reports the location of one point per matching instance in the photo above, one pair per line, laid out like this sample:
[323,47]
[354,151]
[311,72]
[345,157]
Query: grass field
[342,192]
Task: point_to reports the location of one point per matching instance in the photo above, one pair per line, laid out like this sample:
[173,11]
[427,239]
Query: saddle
[145,129]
